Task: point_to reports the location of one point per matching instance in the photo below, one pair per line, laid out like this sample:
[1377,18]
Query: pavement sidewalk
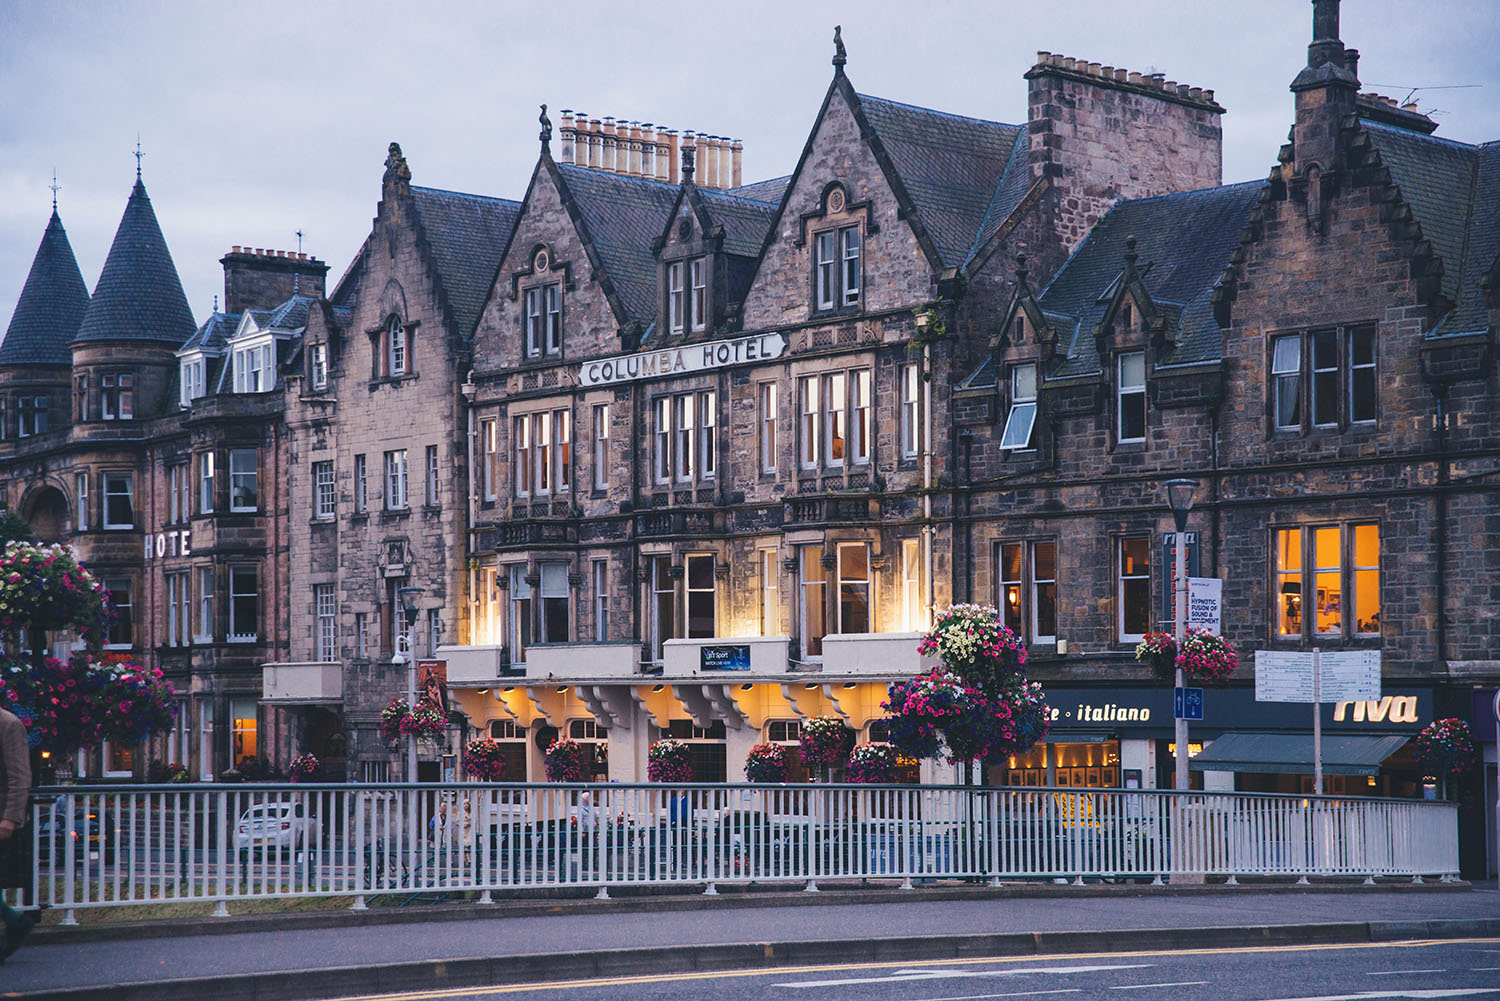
[470,944]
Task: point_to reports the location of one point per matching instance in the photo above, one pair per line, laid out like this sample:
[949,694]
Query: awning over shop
[1292,753]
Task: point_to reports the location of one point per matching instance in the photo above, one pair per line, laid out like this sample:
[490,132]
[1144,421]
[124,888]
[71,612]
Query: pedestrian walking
[15,785]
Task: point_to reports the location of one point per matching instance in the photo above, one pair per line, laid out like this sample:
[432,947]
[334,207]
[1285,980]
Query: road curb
[296,985]
[629,900]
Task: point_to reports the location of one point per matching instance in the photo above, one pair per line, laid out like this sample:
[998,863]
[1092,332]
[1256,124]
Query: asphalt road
[1454,969]
[102,963]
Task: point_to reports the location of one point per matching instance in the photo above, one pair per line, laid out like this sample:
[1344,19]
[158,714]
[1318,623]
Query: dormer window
[838,275]
[1022,420]
[698,269]
[1130,396]
[191,381]
[687,295]
[543,320]
[252,369]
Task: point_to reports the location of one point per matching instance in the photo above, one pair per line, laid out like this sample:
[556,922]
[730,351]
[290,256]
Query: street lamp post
[1180,496]
[409,596]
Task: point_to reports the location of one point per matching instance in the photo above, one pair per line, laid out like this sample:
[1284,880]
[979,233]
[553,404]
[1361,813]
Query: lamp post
[1180,496]
[409,596]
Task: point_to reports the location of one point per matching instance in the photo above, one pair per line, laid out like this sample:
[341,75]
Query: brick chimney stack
[256,278]
[1325,91]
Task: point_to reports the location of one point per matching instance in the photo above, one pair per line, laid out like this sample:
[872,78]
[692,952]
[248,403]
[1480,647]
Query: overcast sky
[259,119]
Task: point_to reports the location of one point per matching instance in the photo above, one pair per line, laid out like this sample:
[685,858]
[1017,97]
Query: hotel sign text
[682,360]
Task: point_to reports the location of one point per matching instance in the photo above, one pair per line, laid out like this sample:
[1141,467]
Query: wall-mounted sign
[1205,604]
[1169,567]
[733,657]
[174,543]
[682,360]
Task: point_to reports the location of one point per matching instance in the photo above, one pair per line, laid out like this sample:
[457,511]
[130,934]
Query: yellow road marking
[767,971]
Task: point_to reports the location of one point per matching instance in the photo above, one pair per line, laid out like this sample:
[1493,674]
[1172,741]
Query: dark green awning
[1292,753]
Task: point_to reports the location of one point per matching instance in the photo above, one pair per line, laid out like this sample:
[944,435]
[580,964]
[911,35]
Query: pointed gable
[619,217]
[51,307]
[139,296]
[466,234]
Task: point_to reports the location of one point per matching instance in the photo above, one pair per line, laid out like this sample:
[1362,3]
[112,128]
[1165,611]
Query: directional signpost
[1187,703]
[1317,677]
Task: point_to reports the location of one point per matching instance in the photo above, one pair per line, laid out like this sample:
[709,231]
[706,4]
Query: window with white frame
[1021,421]
[814,617]
[1027,575]
[191,379]
[662,436]
[119,500]
[434,630]
[489,444]
[520,614]
[361,485]
[205,625]
[397,344]
[1130,396]
[1328,582]
[837,274]
[544,453]
[835,420]
[601,601]
[32,415]
[179,608]
[206,483]
[677,296]
[562,432]
[1133,587]
[770,593]
[854,588]
[319,366]
[1341,390]
[767,423]
[325,607]
[362,635]
[685,436]
[244,475]
[663,605]
[556,621]
[708,439]
[117,396]
[81,493]
[601,446]
[809,422]
[683,433]
[252,369]
[913,607]
[244,603]
[121,635]
[432,475]
[324,498]
[395,480]
[911,395]
[179,494]
[522,465]
[543,307]
[490,625]
[699,577]
[698,277]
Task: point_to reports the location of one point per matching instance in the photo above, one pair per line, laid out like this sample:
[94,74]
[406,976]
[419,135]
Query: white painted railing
[139,844]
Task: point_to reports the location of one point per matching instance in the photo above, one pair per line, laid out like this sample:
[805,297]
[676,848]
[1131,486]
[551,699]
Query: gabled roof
[620,216]
[951,166]
[213,335]
[51,307]
[745,220]
[467,235]
[290,315]
[1183,245]
[1453,189]
[139,296]
[769,190]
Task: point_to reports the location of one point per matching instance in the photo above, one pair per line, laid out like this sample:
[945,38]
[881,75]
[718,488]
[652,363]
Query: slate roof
[213,335]
[770,190]
[51,306]
[1453,189]
[290,315]
[745,220]
[139,296]
[952,168]
[1183,243]
[467,235]
[623,215]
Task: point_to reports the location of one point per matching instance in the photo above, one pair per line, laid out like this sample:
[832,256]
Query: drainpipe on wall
[1440,500]
[470,390]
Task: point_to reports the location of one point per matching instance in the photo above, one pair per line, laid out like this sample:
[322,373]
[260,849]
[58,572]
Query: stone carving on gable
[395,164]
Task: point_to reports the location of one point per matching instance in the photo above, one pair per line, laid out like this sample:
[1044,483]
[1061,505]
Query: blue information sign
[1187,703]
[725,658]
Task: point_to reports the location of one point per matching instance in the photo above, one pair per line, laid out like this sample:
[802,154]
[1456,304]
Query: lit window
[814,617]
[770,594]
[913,607]
[1133,595]
[854,588]
[1130,393]
[835,403]
[1328,582]
[242,730]
[1022,419]
[244,493]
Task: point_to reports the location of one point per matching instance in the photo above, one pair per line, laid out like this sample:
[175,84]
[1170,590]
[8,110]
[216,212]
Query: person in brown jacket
[15,786]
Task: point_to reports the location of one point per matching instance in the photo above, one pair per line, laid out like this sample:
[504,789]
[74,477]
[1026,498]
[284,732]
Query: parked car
[276,828]
[92,834]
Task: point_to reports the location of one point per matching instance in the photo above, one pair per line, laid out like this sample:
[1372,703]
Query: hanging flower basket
[45,587]
[484,759]
[565,761]
[425,722]
[1159,652]
[1445,747]
[872,764]
[826,741]
[1206,657]
[667,760]
[937,710]
[974,644]
[77,703]
[304,768]
[391,716]
[766,763]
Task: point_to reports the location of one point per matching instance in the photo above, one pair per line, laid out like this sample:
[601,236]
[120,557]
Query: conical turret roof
[139,296]
[51,307]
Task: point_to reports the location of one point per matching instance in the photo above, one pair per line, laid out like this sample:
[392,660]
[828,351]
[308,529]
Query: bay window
[685,438]
[814,613]
[520,614]
[854,588]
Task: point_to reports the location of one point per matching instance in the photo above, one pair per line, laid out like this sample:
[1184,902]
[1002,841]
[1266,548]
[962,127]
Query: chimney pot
[1134,77]
[1108,72]
[1208,93]
[596,143]
[235,249]
[1351,62]
[1093,69]
[1067,62]
[738,151]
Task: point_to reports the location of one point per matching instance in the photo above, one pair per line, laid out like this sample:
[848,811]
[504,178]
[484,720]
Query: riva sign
[682,360]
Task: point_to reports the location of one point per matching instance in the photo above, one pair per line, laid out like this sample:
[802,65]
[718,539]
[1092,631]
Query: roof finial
[55,186]
[1130,257]
[546,134]
[1021,269]
[138,155]
[216,302]
[299,241]
[840,55]
[688,154]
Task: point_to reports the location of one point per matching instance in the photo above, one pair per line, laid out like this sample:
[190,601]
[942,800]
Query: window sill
[322,519]
[244,510]
[117,646]
[243,640]
[395,514]
[202,640]
[392,380]
[830,312]
[360,517]
[119,528]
